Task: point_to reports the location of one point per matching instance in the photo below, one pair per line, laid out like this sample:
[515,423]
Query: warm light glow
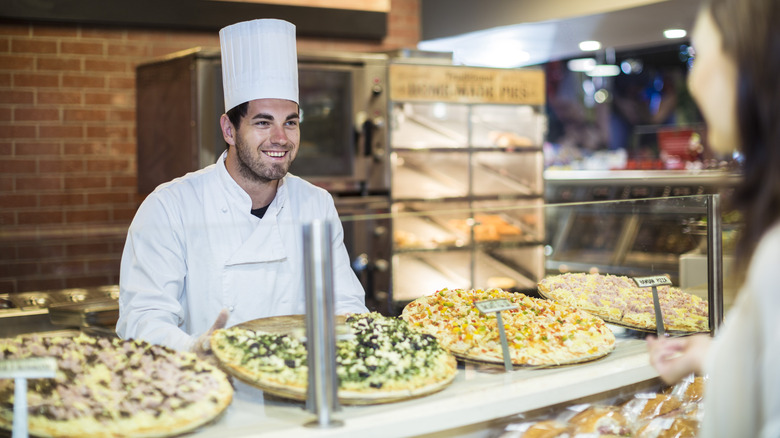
[589,46]
[604,70]
[675,33]
[581,64]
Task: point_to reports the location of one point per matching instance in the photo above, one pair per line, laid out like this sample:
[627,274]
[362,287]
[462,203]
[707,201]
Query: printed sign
[31,368]
[497,305]
[656,280]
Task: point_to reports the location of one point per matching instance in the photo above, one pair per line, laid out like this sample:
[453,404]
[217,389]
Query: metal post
[322,393]
[714,263]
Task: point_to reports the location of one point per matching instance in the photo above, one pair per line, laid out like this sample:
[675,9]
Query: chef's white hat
[259,61]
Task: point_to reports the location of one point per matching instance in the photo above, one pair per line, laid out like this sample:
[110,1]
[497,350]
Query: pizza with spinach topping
[384,361]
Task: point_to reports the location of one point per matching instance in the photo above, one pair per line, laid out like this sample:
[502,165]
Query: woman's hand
[675,358]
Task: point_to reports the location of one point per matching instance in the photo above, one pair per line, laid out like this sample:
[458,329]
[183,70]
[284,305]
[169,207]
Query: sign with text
[31,368]
[655,280]
[444,83]
[497,305]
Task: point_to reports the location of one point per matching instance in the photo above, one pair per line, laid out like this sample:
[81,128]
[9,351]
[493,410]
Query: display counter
[479,398]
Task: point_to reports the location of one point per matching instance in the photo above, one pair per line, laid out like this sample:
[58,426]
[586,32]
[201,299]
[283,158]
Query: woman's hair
[750,31]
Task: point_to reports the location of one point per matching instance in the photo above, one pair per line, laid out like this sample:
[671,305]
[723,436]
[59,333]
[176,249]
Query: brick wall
[68,141]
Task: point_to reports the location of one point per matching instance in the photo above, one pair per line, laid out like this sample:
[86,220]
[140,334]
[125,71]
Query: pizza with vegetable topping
[384,361]
[619,300]
[107,387]
[539,332]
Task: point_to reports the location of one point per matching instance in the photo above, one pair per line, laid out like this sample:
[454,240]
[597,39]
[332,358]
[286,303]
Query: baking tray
[99,313]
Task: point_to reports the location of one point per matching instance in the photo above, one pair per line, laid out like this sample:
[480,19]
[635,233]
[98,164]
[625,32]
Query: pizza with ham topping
[108,387]
[619,300]
[539,332]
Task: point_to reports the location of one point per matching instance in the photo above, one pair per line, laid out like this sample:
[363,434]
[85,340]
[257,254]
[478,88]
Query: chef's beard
[254,169]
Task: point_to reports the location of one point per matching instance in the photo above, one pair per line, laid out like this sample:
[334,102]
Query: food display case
[466,148]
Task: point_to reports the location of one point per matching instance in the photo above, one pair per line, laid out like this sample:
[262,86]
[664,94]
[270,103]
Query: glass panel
[429,125]
[507,126]
[428,174]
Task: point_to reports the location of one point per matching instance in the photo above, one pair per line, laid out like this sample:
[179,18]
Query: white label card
[655,280]
[31,368]
[496,305]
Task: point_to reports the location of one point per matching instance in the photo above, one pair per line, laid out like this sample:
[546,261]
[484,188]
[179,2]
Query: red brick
[121,115]
[85,182]
[61,199]
[116,83]
[60,166]
[117,132]
[113,99]
[6,183]
[36,80]
[39,284]
[54,31]
[120,148]
[112,165]
[36,114]
[94,147]
[87,249]
[33,46]
[5,79]
[86,216]
[107,198]
[61,132]
[17,201]
[35,183]
[7,218]
[17,62]
[63,268]
[124,214]
[81,48]
[105,66]
[17,166]
[105,264]
[118,181]
[129,49]
[102,33]
[38,148]
[42,251]
[59,64]
[18,269]
[6,148]
[5,114]
[40,217]
[17,131]
[16,96]
[16,29]
[83,81]
[85,115]
[59,97]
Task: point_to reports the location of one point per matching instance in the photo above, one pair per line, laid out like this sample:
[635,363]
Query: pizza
[108,387]
[619,300]
[539,332]
[383,361]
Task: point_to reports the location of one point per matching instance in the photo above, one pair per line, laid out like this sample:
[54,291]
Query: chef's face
[267,139]
[713,84]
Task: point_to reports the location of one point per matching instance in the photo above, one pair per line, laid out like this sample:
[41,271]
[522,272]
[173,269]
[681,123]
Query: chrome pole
[714,263]
[322,392]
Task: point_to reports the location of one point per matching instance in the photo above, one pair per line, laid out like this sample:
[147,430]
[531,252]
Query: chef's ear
[228,130]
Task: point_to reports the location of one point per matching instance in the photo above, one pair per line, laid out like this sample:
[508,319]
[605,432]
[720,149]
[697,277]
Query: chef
[223,245]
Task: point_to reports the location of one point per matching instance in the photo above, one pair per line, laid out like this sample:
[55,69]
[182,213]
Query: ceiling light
[581,64]
[604,70]
[589,46]
[675,33]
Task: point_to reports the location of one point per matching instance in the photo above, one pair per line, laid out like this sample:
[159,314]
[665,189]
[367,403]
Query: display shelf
[480,395]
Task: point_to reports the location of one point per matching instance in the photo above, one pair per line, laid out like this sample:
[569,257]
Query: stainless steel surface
[715,265]
[322,397]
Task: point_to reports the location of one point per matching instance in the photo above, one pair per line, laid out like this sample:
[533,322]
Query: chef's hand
[201,347]
[675,358]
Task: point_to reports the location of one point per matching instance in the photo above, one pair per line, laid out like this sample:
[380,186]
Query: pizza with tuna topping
[107,387]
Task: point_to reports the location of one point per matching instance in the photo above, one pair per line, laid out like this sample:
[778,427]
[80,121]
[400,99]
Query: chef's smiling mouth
[275,154]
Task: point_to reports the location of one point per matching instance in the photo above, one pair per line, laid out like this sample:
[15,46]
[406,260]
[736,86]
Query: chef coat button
[224,209]
[231,308]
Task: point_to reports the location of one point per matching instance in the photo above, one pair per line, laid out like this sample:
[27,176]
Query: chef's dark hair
[751,37]
[236,114]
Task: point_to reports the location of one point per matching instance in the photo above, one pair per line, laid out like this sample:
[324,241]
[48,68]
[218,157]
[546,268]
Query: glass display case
[460,163]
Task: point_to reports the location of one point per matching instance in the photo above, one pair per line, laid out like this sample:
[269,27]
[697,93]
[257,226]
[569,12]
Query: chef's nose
[278,135]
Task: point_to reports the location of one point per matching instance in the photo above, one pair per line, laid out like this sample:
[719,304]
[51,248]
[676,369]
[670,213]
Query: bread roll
[545,429]
[600,419]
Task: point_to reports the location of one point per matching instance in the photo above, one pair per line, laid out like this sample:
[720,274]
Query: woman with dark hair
[735,80]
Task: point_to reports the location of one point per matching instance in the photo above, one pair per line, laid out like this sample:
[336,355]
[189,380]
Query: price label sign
[655,280]
[497,305]
[20,370]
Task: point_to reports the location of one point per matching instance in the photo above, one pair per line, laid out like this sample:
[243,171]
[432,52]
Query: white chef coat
[742,395]
[194,248]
